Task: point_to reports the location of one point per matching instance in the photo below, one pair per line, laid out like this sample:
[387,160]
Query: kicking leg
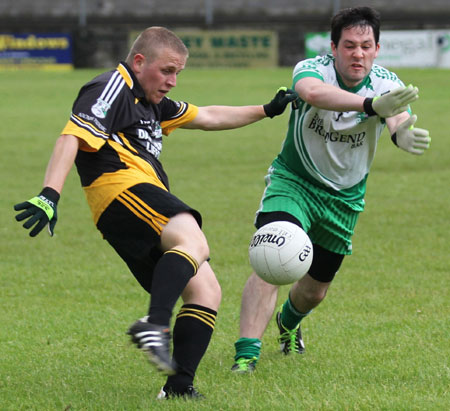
[184,248]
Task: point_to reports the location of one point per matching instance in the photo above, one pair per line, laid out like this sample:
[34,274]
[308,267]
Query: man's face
[158,76]
[355,54]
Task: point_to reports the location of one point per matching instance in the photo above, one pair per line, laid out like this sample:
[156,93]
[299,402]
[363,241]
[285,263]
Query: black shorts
[325,263]
[132,225]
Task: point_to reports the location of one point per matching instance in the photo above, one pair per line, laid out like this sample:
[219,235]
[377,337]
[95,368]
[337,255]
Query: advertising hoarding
[36,51]
[399,48]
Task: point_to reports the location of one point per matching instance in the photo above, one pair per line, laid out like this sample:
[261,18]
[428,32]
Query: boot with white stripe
[155,341]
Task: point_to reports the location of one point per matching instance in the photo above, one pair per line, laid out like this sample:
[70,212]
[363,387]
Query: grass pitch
[380,341]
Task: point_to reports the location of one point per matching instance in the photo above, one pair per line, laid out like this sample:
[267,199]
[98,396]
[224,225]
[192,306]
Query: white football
[280,252]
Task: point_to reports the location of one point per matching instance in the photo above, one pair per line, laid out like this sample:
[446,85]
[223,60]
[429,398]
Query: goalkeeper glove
[40,209]
[392,103]
[413,140]
[283,97]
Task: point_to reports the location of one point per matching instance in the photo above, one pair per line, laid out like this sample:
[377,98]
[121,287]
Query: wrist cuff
[368,106]
[51,194]
[267,110]
[394,139]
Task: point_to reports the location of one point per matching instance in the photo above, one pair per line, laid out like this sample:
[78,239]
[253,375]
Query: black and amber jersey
[121,135]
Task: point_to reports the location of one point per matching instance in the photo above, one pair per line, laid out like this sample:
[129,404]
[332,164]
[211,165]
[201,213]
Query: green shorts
[328,219]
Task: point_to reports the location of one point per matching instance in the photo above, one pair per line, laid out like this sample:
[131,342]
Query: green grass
[380,341]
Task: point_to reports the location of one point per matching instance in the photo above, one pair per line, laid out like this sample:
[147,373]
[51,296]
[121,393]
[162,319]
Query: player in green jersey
[318,180]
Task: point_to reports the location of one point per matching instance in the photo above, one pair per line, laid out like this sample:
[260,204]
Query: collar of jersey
[131,80]
[365,83]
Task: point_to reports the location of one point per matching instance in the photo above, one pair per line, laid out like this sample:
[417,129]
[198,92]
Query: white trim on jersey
[89,127]
[117,139]
[113,88]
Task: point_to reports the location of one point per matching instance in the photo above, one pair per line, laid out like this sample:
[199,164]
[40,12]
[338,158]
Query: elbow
[311,96]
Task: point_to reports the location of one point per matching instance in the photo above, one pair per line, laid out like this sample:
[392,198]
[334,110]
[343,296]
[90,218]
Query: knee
[203,251]
[199,250]
[183,232]
[314,296]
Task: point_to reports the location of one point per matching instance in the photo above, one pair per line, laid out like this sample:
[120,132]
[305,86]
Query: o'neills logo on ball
[259,239]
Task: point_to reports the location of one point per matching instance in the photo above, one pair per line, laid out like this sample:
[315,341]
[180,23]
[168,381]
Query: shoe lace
[244,363]
[289,337]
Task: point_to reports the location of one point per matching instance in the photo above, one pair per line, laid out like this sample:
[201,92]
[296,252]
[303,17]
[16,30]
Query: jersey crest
[100,108]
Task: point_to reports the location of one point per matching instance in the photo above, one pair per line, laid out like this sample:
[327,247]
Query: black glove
[283,97]
[40,209]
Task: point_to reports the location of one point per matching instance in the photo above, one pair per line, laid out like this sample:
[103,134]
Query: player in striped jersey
[318,181]
[114,136]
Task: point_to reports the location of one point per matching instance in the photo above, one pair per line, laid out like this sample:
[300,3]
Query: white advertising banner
[400,48]
[409,48]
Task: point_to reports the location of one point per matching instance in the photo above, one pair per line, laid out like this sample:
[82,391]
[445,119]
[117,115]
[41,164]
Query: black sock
[172,272]
[191,335]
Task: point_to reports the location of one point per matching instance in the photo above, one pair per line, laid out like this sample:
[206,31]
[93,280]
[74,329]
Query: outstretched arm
[328,97]
[229,117]
[225,117]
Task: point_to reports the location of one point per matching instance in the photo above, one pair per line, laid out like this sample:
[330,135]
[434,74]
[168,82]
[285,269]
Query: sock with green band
[290,317]
[247,348]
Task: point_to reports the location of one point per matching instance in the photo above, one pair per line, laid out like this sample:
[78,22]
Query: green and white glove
[411,139]
[41,210]
[278,104]
[391,103]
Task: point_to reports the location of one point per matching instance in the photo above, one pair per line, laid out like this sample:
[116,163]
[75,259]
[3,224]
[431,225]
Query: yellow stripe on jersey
[170,125]
[85,133]
[186,256]
[126,76]
[207,318]
[108,186]
[127,143]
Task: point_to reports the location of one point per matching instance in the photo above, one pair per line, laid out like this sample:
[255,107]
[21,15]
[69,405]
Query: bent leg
[308,293]
[183,233]
[184,249]
[203,289]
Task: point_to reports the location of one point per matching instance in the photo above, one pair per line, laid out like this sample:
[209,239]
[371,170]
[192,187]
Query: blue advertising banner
[36,51]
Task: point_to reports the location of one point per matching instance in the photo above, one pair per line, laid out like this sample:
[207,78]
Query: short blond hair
[152,40]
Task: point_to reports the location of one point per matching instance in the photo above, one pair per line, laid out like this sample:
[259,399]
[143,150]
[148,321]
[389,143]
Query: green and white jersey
[330,149]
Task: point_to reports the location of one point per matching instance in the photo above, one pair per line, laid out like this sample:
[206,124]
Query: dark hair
[354,17]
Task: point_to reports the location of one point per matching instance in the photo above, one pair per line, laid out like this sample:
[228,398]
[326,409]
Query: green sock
[247,348]
[290,317]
